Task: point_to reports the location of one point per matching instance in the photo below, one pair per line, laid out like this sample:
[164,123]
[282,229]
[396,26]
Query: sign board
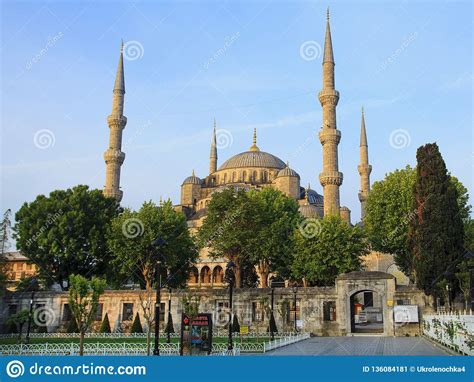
[244,329]
[196,334]
[405,313]
[389,302]
[299,324]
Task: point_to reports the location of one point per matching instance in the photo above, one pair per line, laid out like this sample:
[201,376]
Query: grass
[13,341]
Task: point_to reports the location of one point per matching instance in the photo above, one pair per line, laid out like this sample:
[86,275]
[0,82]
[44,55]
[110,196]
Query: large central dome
[253,159]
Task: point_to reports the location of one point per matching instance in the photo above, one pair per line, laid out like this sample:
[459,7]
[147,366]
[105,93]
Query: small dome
[310,211]
[193,179]
[287,171]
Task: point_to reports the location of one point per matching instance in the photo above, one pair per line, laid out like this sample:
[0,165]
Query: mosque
[255,169]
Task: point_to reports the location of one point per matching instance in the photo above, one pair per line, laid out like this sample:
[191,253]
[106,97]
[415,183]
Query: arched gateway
[365,302]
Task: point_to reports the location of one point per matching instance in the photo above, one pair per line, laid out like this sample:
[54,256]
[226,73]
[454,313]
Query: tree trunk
[148,338]
[81,343]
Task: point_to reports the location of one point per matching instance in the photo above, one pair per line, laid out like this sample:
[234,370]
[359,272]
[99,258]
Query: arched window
[254,176]
[234,177]
[244,176]
[193,276]
[225,178]
[218,274]
[205,275]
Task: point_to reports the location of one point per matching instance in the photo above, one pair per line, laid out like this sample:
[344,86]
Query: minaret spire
[364,167]
[213,155]
[114,156]
[329,136]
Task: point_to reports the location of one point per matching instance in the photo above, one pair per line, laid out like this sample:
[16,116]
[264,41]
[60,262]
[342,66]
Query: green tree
[229,229]
[64,233]
[271,245]
[105,325]
[235,324]
[326,248]
[133,255]
[436,234]
[388,212]
[83,301]
[136,325]
[17,321]
[463,278]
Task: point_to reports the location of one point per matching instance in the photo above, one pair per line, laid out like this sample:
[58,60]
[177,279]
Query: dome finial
[254,146]
[193,173]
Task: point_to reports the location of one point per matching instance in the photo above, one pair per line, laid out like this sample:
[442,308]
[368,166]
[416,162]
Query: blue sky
[409,63]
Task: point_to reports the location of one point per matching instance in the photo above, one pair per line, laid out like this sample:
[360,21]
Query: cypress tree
[235,324]
[105,325]
[436,234]
[137,325]
[169,325]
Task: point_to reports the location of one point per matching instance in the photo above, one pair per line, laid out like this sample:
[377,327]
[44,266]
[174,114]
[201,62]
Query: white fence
[453,330]
[280,342]
[127,348]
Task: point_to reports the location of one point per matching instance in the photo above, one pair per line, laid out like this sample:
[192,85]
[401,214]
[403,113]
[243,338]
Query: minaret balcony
[115,120]
[331,177]
[364,169]
[329,135]
[114,156]
[328,96]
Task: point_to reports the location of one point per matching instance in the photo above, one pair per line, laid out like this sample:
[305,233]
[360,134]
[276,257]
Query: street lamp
[295,291]
[230,276]
[168,339]
[272,335]
[156,244]
[33,286]
[449,297]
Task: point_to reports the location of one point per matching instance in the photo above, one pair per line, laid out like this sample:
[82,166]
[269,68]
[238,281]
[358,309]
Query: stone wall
[251,306]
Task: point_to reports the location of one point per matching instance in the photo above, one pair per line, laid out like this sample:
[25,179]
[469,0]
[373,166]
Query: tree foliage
[333,248]
[136,325]
[388,212]
[83,301]
[133,255]
[436,234]
[271,246]
[228,229]
[105,325]
[64,233]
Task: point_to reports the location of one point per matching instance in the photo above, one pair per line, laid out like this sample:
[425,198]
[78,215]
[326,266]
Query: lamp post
[158,242]
[168,335]
[230,276]
[295,291]
[449,297]
[272,335]
[33,285]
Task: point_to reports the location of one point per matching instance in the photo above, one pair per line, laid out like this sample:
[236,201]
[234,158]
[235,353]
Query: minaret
[364,168]
[213,156]
[113,156]
[329,136]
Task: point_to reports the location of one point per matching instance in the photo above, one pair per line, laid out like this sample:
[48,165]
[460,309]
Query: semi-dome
[253,159]
[313,196]
[287,171]
[310,211]
[193,179]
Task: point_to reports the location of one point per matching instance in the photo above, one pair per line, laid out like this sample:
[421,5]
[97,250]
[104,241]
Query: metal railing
[284,341]
[455,331]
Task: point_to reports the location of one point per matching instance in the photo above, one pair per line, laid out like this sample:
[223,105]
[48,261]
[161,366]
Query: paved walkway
[361,345]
